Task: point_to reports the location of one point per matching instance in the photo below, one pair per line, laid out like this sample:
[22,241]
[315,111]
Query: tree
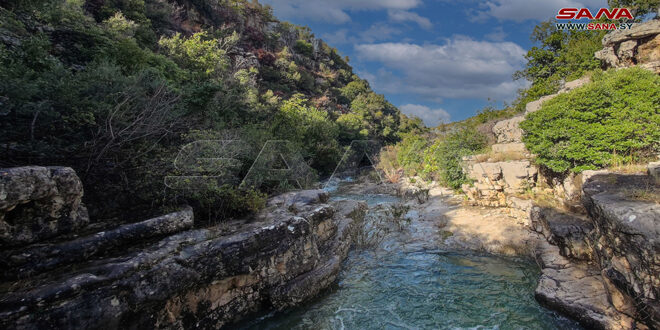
[638,7]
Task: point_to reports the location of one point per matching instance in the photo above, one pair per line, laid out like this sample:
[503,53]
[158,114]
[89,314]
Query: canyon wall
[161,272]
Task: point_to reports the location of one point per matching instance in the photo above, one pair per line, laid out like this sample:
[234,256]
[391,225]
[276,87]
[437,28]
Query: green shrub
[443,159]
[304,48]
[310,129]
[616,118]
[410,153]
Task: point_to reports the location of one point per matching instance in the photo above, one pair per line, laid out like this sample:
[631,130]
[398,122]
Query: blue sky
[440,60]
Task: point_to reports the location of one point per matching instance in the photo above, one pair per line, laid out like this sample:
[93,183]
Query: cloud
[431,117]
[377,32]
[522,10]
[459,68]
[497,34]
[335,11]
[407,16]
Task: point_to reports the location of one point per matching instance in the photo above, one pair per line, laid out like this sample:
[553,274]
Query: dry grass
[389,165]
[628,168]
[646,194]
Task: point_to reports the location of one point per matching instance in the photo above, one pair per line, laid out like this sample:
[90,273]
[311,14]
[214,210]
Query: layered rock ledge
[160,273]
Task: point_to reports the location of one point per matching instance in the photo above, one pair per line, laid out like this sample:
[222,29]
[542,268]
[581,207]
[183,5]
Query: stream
[409,281]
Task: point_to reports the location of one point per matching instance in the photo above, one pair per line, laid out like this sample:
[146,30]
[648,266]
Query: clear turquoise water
[406,283]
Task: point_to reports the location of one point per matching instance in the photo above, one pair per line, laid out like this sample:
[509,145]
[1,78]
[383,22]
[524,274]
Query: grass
[650,193]
[628,168]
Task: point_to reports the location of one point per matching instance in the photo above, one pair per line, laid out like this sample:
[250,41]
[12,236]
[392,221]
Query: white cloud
[377,32]
[407,16]
[334,11]
[522,10]
[431,117]
[497,34]
[459,68]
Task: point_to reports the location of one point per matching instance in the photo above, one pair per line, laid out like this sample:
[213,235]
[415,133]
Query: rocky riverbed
[600,269]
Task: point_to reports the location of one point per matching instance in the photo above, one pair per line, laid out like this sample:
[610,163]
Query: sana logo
[578,13]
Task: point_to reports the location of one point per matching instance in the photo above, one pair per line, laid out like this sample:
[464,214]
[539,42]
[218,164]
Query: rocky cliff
[599,253]
[160,273]
[637,46]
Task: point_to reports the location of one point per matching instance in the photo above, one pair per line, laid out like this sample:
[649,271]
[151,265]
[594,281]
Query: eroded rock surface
[133,277]
[569,232]
[639,46]
[38,203]
[576,289]
[627,238]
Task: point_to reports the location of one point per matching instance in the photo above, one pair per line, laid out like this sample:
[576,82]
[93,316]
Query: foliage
[305,48]
[215,204]
[198,53]
[115,88]
[639,7]
[443,159]
[615,118]
[311,129]
[561,55]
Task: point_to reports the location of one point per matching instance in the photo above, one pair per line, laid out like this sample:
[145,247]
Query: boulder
[638,31]
[38,203]
[573,84]
[626,52]
[519,175]
[608,57]
[536,105]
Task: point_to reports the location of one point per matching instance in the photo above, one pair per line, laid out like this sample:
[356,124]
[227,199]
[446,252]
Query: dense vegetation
[116,88]
[614,119]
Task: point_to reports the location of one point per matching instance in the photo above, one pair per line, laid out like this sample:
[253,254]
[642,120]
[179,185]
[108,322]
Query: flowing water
[408,282]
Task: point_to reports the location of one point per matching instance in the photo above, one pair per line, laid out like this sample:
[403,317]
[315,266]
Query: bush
[304,48]
[616,118]
[310,129]
[443,159]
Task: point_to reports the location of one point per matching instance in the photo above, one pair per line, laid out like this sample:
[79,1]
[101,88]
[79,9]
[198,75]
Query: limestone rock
[627,237]
[626,52]
[508,131]
[36,259]
[569,232]
[510,148]
[649,50]
[576,290]
[608,57]
[573,84]
[639,30]
[536,105]
[37,203]
[200,278]
[653,170]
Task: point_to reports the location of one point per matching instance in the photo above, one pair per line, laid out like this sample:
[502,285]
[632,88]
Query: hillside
[115,88]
